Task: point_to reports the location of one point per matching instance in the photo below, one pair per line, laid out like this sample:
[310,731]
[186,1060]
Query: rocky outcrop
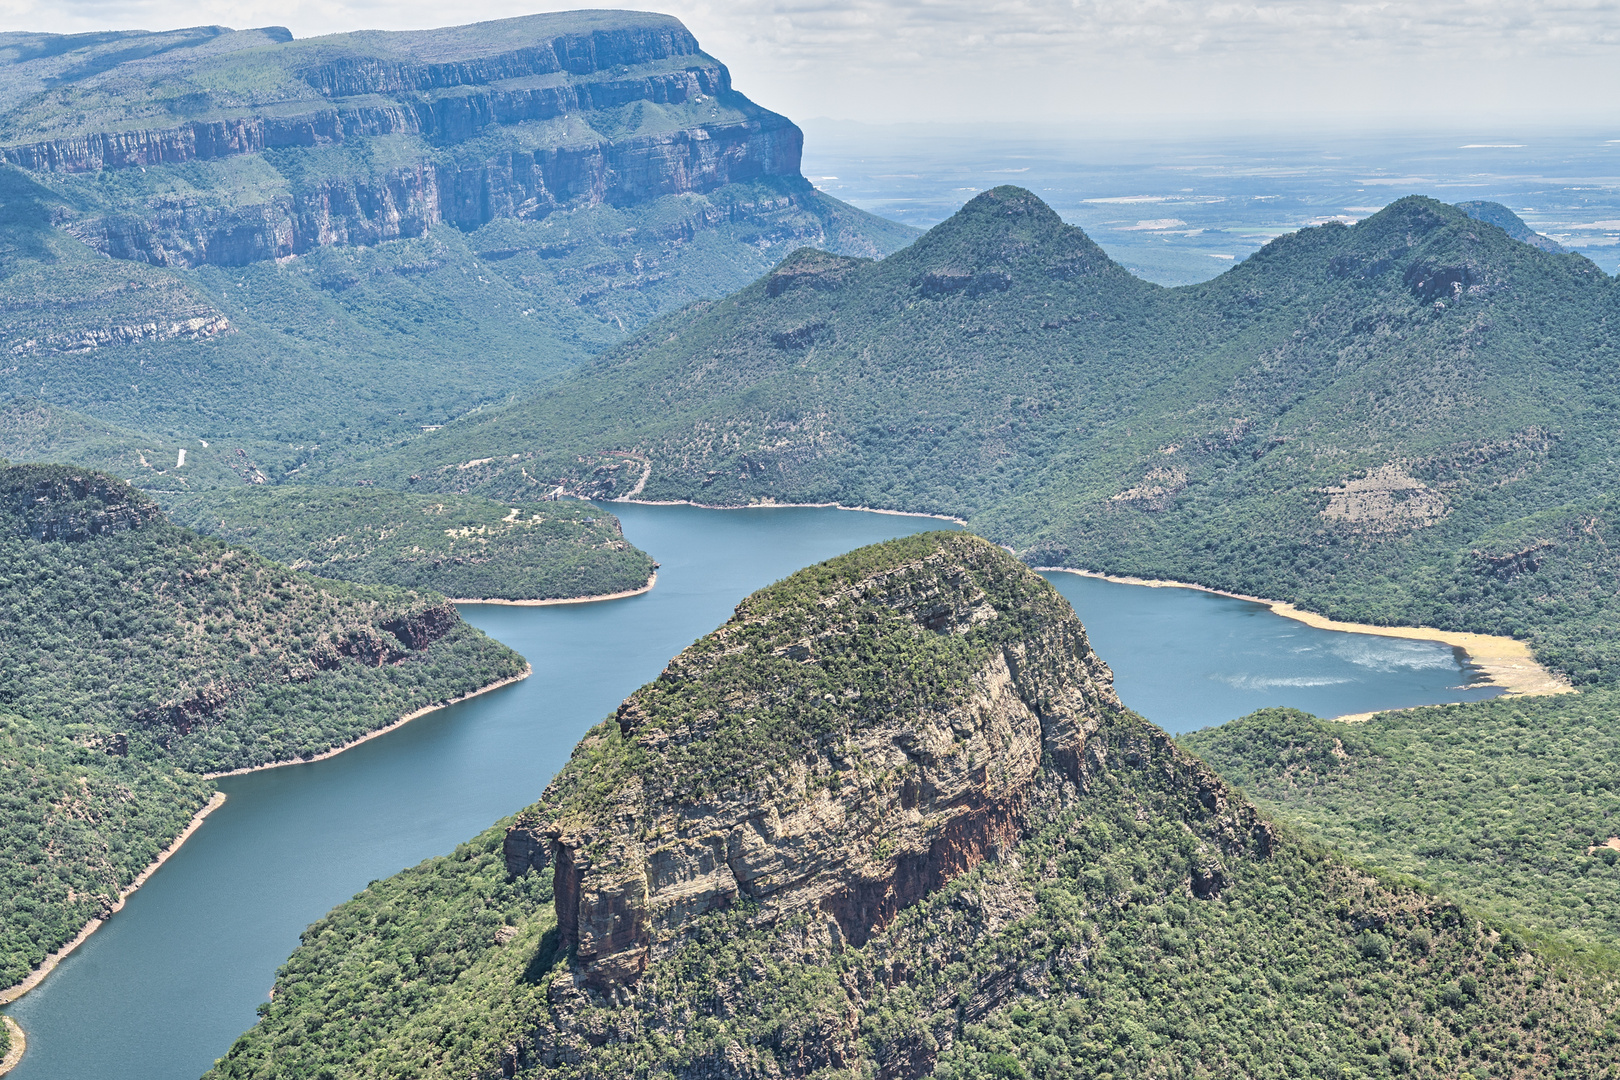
[188,714]
[371,646]
[84,339]
[886,794]
[55,502]
[419,629]
[526,847]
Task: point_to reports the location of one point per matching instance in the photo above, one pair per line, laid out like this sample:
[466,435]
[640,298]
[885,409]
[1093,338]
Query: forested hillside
[1512,805]
[890,819]
[459,545]
[1411,419]
[303,240]
[137,655]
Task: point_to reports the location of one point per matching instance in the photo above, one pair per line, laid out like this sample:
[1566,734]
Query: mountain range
[371,303]
[1408,420]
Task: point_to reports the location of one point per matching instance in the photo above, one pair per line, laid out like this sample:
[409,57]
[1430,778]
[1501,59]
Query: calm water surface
[1187,659]
[166,986]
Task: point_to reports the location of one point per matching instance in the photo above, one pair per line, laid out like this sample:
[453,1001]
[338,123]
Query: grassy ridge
[1504,804]
[139,655]
[458,545]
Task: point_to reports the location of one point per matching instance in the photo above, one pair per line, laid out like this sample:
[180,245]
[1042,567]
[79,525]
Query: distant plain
[1181,209]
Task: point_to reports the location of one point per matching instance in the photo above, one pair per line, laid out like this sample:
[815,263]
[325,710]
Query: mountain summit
[1494,213]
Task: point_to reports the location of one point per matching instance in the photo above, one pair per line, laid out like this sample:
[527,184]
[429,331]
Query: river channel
[166,986]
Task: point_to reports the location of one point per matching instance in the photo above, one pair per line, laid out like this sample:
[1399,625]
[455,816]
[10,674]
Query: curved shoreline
[1505,662]
[46,966]
[19,1043]
[782,505]
[647,588]
[528,669]
[37,975]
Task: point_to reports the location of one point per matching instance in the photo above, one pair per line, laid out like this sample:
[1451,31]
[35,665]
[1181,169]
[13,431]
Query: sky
[1191,64]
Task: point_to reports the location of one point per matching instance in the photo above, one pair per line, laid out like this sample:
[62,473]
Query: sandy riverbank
[782,506]
[647,588]
[37,976]
[19,1043]
[1504,661]
[528,669]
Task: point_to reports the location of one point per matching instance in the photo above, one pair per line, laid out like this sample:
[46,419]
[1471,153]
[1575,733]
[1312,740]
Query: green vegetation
[1506,805]
[341,240]
[432,966]
[459,545]
[1145,922]
[1303,967]
[1405,421]
[138,655]
[80,826]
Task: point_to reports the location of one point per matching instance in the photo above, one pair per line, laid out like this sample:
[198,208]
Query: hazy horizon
[1176,209]
[1487,65]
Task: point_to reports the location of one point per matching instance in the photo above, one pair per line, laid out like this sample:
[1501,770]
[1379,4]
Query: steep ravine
[891,820]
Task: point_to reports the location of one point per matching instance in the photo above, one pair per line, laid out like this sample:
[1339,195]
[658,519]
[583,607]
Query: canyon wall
[618,116]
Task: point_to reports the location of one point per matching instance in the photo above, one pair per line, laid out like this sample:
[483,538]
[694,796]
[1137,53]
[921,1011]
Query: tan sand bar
[1504,661]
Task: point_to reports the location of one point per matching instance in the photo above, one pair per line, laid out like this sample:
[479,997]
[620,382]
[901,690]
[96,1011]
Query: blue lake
[166,986]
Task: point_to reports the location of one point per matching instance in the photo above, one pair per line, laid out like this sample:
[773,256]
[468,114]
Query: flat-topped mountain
[891,819]
[469,208]
[593,107]
[1399,420]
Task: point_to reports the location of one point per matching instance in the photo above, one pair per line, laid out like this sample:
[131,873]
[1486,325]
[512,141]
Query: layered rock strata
[509,119]
[845,788]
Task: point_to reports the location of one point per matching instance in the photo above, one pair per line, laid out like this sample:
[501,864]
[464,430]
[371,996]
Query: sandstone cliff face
[893,792]
[501,120]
